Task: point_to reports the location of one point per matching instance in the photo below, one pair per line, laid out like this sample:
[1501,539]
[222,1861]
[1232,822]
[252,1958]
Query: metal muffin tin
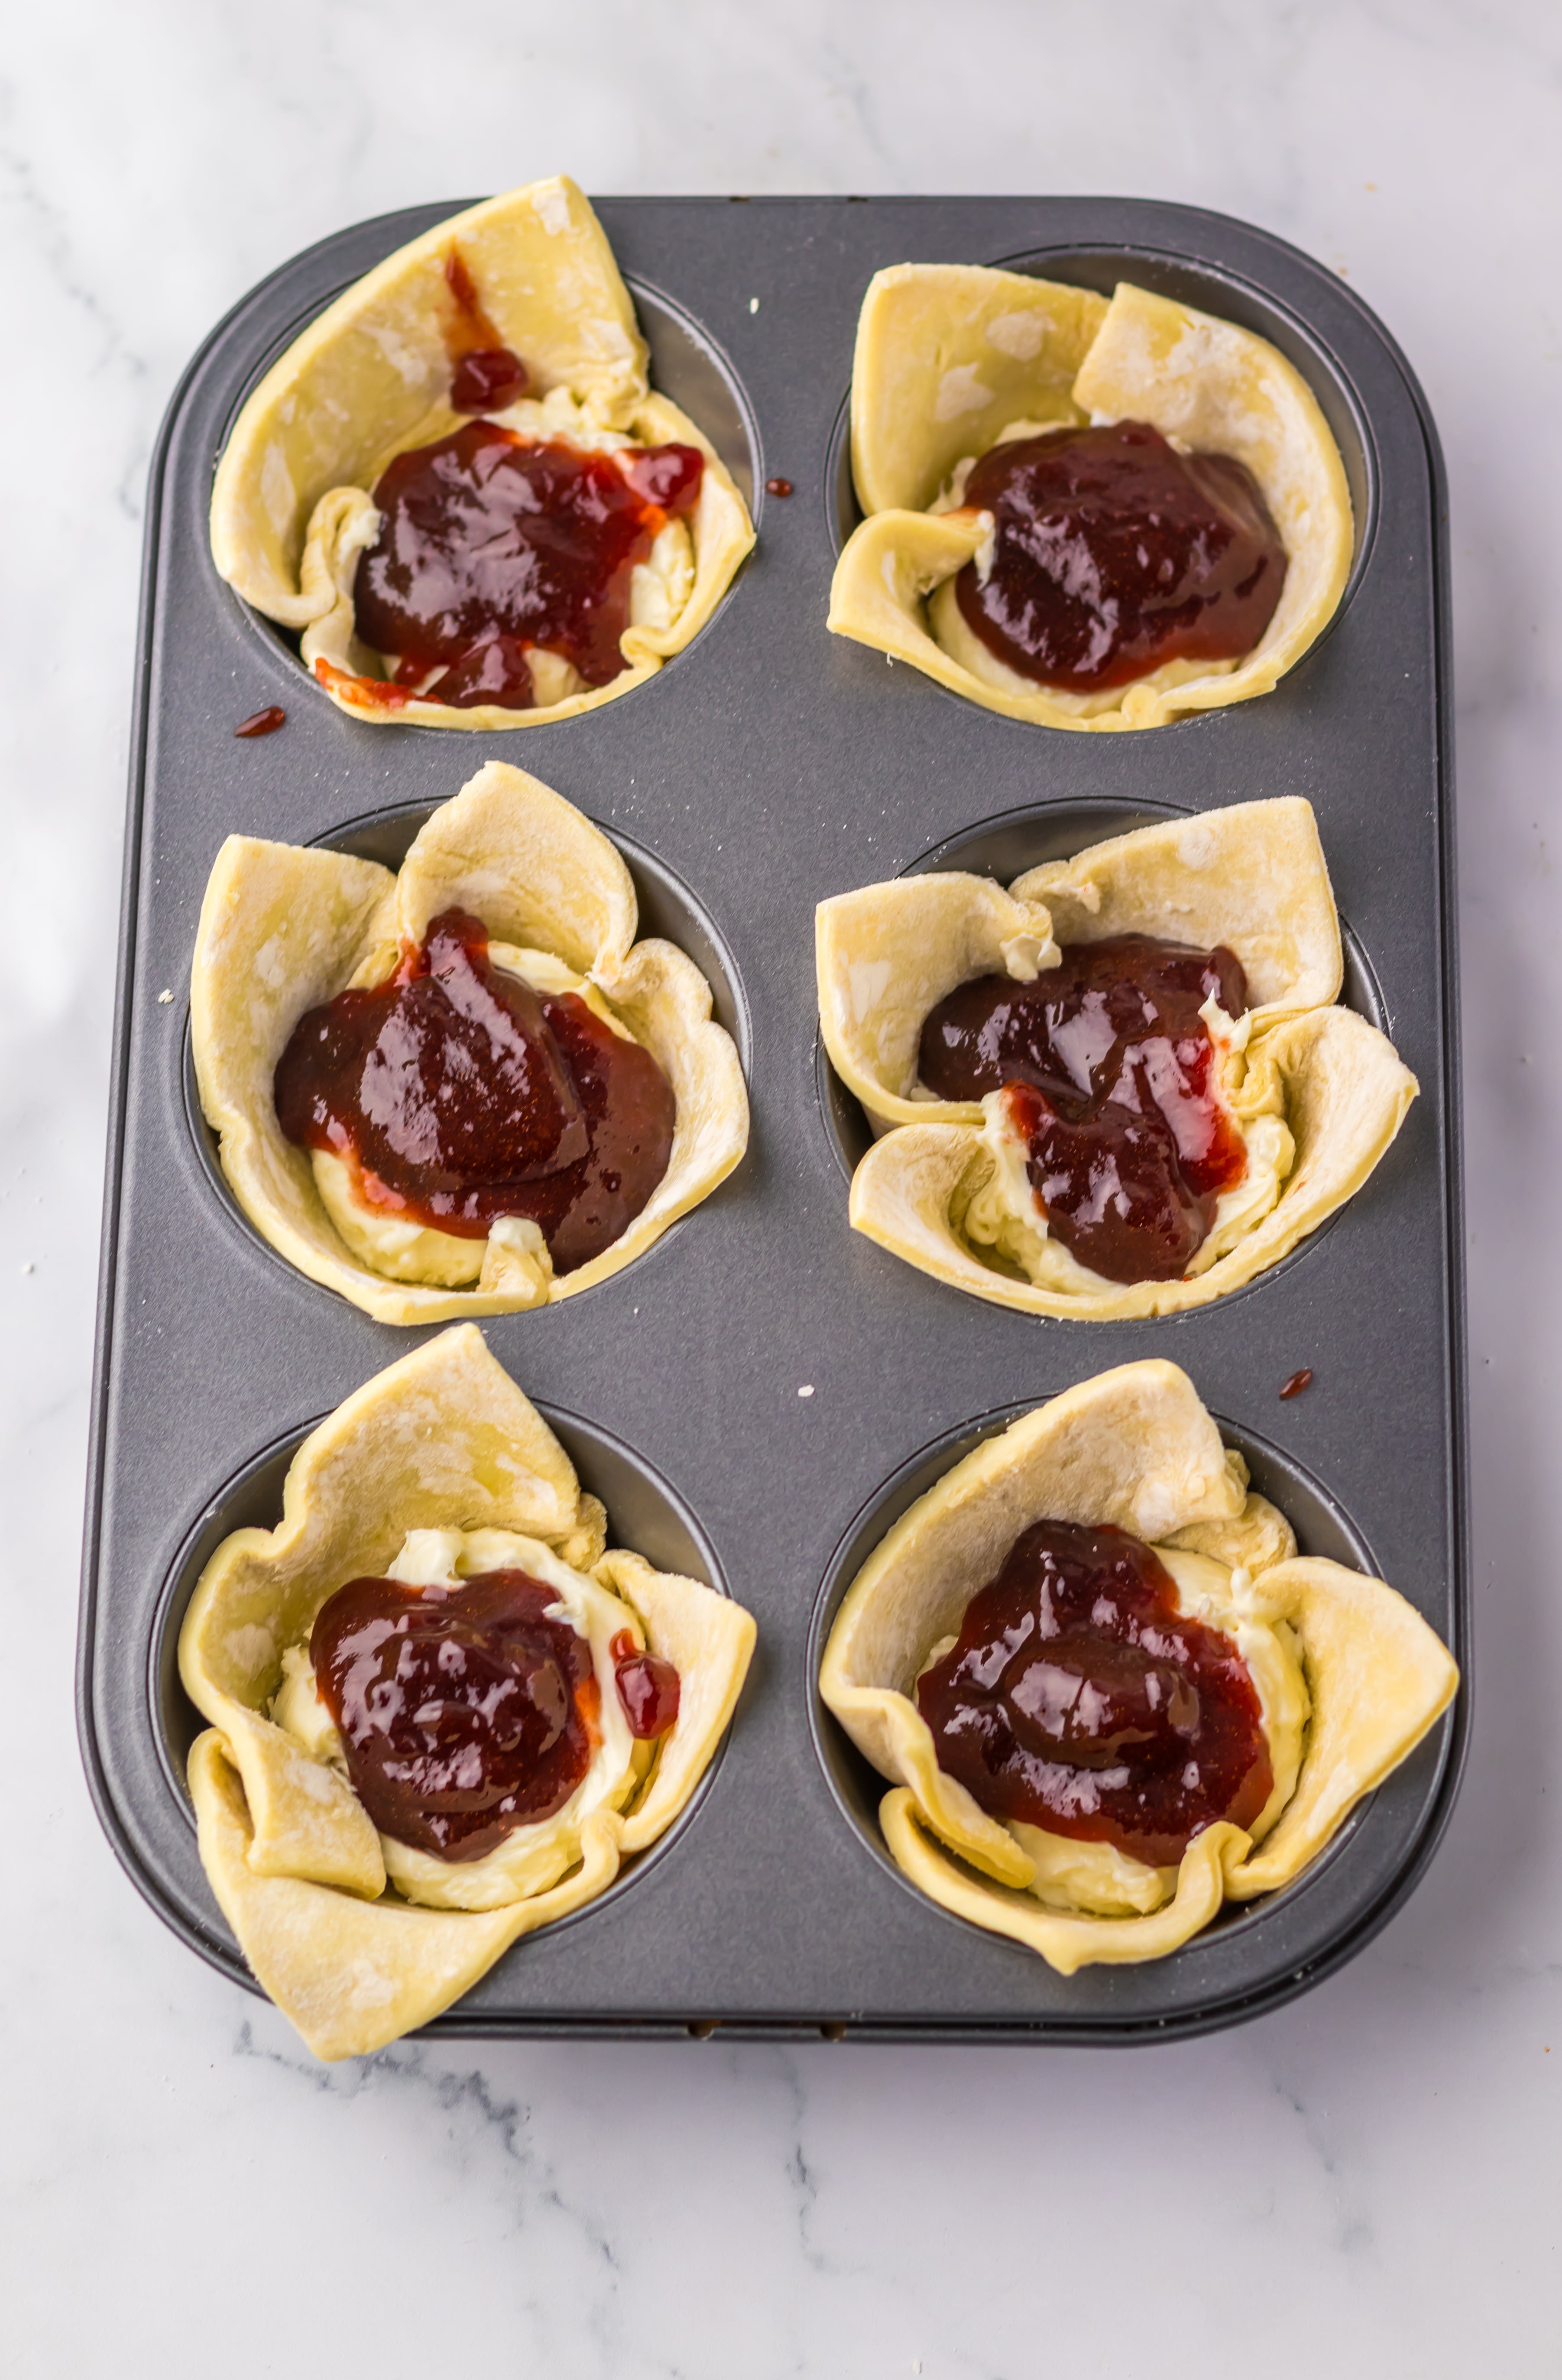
[768,766]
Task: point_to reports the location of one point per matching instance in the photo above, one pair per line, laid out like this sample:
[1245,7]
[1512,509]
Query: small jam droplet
[1298,1381]
[263,723]
[648,1688]
[486,381]
[778,487]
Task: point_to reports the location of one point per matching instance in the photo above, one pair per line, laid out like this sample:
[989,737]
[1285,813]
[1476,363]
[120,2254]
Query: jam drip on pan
[491,545]
[1078,1699]
[463,1711]
[1108,1074]
[1113,553]
[458,1094]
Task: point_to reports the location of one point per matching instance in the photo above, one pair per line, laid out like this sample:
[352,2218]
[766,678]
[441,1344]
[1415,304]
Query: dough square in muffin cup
[285,929]
[436,1466]
[1350,1676]
[371,379]
[952,361]
[1317,1092]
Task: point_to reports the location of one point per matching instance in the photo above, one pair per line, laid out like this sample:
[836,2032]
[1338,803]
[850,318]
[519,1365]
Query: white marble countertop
[1367,2181]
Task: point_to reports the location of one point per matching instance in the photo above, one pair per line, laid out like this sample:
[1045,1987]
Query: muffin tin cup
[768,766]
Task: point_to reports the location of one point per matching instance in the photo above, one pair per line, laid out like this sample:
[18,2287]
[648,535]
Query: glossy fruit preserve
[1108,1074]
[458,1094]
[1113,553]
[1077,1698]
[463,1711]
[491,545]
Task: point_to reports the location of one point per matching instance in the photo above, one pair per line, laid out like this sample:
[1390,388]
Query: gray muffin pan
[770,765]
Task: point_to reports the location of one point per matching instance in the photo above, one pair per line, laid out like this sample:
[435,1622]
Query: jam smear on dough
[1078,1699]
[1108,1076]
[1113,553]
[485,375]
[491,545]
[464,1711]
[459,1094]
[648,1687]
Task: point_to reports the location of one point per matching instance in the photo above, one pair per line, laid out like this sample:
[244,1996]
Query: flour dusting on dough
[960,391]
[553,210]
[1020,336]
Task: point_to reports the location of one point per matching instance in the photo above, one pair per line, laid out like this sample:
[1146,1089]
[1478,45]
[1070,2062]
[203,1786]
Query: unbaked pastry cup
[370,378]
[1252,876]
[285,927]
[442,1440]
[1133,1448]
[949,354]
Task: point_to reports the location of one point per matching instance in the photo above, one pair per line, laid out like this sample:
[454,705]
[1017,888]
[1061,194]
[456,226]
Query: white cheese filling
[1005,1214]
[535,1856]
[1099,1880]
[411,1251]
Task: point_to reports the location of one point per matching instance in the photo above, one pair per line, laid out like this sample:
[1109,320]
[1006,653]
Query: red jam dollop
[1077,1698]
[458,1094]
[491,545]
[1114,554]
[648,1687]
[1108,1074]
[463,1711]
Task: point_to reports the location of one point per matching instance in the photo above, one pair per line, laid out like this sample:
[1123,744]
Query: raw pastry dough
[1136,1449]
[284,929]
[442,1440]
[1252,876]
[292,502]
[952,357]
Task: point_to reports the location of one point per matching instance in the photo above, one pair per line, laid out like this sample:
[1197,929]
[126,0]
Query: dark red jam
[1113,553]
[1108,1072]
[263,723]
[463,1711]
[492,544]
[778,487]
[648,1687]
[1297,1382]
[486,375]
[1078,1699]
[458,1094]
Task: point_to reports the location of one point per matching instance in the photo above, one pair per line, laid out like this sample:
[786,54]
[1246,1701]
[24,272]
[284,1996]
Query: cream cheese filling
[417,1252]
[1099,1880]
[1003,1213]
[961,641]
[535,1856]
[660,587]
